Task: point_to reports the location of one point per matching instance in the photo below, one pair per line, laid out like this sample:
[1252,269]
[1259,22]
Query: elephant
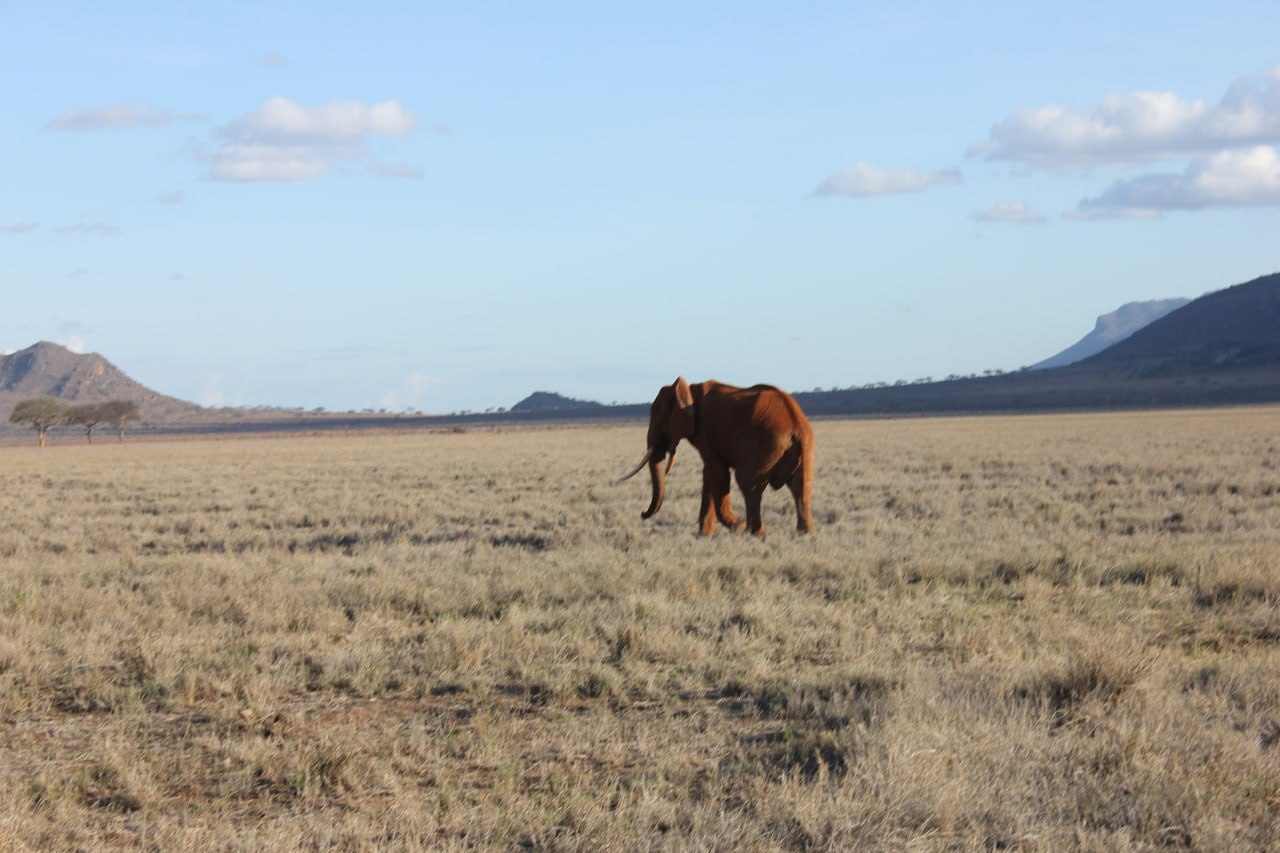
[759,432]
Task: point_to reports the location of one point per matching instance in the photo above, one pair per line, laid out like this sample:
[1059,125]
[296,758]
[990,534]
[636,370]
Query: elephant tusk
[644,461]
[671,461]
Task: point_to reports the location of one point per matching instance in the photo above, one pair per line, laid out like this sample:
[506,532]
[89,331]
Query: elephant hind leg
[801,485]
[795,470]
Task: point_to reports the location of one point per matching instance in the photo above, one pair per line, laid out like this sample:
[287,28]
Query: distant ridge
[51,370]
[1222,349]
[1238,327]
[1112,328]
[547,401]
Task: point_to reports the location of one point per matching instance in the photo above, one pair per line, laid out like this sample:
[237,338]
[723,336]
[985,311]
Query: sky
[439,207]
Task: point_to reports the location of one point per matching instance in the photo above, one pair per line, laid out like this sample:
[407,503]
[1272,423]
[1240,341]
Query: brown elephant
[758,432]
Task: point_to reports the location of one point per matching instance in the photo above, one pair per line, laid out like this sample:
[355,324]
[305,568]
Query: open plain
[1036,632]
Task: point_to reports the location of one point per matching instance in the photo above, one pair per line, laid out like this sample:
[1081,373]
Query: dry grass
[1034,633]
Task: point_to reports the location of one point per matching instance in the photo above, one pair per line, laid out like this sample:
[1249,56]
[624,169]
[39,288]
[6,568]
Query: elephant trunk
[658,477]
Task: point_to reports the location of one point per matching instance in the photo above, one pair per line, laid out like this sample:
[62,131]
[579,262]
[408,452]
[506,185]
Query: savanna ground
[1022,633]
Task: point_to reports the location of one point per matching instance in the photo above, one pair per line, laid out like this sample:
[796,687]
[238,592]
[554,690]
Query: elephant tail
[795,461]
[802,438]
[801,441]
[797,458]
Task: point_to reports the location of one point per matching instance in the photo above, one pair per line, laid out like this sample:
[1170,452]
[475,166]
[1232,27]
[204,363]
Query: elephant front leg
[755,521]
[707,512]
[717,483]
[725,513]
[752,494]
[715,501]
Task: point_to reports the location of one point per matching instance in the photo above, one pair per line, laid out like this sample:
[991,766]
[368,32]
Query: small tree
[87,415]
[41,413]
[119,413]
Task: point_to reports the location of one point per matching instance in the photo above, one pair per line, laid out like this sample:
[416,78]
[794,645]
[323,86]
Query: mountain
[51,370]
[1113,328]
[1221,349]
[1235,328]
[546,401]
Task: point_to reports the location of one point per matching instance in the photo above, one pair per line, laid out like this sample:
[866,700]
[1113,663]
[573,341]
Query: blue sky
[448,206]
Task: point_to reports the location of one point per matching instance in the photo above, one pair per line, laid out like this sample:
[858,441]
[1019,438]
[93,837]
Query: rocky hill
[547,401]
[1238,327]
[1221,349]
[1112,328]
[51,370]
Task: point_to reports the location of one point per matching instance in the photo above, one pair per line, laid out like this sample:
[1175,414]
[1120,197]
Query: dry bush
[1033,633]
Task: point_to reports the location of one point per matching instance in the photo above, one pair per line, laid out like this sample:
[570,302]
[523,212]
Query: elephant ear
[684,395]
[682,418]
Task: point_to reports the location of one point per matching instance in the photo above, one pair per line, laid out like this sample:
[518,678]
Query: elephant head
[671,418]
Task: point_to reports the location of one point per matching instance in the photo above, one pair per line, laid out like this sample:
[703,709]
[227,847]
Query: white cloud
[117,116]
[1250,110]
[284,141]
[1244,178]
[862,180]
[95,229]
[19,228]
[1010,212]
[283,119]
[175,197]
[75,343]
[1083,214]
[276,162]
[1137,127]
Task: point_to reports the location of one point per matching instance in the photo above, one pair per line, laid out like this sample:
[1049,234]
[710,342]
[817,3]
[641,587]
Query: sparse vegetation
[119,413]
[41,414]
[44,413]
[87,415]
[1029,633]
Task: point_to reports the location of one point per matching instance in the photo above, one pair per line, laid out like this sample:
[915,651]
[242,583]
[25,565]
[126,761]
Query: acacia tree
[119,413]
[41,413]
[87,415]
